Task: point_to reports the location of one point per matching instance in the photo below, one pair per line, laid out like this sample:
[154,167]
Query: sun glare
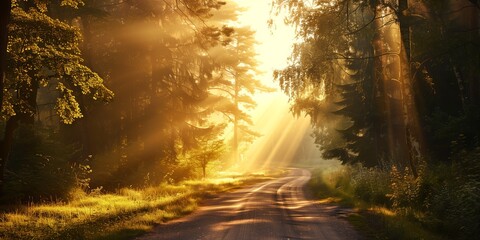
[274,43]
[282,134]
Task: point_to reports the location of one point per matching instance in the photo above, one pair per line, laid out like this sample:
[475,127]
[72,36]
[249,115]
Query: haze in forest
[153,102]
[142,93]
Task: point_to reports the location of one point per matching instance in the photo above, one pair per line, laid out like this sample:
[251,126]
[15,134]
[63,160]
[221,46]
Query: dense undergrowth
[443,202]
[120,215]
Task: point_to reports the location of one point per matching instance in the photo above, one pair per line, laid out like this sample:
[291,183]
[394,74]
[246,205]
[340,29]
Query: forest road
[276,209]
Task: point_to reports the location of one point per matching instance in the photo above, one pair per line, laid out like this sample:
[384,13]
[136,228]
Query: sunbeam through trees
[160,104]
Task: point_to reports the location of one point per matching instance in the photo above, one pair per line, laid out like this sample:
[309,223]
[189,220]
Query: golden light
[283,136]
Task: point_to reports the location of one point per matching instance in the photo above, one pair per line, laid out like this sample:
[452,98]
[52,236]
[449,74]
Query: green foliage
[331,78]
[83,174]
[42,52]
[405,188]
[43,58]
[452,195]
[335,62]
[177,72]
[208,151]
[368,184]
[338,61]
[67,107]
[72,3]
[369,192]
[443,198]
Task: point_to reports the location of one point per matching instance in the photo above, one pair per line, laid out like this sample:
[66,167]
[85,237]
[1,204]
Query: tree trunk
[28,95]
[235,123]
[416,150]
[5,147]
[465,17]
[5,12]
[85,123]
[393,86]
[405,29]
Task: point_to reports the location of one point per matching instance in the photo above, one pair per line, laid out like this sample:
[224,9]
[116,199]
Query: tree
[43,53]
[330,72]
[5,12]
[390,75]
[209,149]
[159,67]
[330,57]
[237,83]
[445,64]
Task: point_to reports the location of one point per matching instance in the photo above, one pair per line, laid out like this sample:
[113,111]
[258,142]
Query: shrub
[38,167]
[454,195]
[405,189]
[443,197]
[368,184]
[371,185]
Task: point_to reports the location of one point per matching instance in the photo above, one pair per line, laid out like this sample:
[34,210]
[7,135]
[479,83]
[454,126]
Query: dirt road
[277,209]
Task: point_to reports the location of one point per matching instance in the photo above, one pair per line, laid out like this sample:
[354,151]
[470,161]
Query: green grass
[373,221]
[122,215]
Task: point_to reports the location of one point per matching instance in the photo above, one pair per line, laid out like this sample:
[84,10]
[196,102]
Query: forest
[393,89]
[108,99]
[86,82]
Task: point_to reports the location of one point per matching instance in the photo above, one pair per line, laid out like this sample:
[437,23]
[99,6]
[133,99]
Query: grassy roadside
[122,215]
[374,221]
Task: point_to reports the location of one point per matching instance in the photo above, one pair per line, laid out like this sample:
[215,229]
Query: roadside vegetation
[441,203]
[123,214]
[392,88]
[112,111]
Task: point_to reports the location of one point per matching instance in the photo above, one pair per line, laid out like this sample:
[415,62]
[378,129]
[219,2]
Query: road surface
[276,209]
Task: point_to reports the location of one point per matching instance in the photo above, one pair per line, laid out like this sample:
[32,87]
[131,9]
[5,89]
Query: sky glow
[282,134]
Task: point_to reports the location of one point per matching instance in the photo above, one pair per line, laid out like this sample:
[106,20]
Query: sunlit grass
[120,215]
[375,221]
